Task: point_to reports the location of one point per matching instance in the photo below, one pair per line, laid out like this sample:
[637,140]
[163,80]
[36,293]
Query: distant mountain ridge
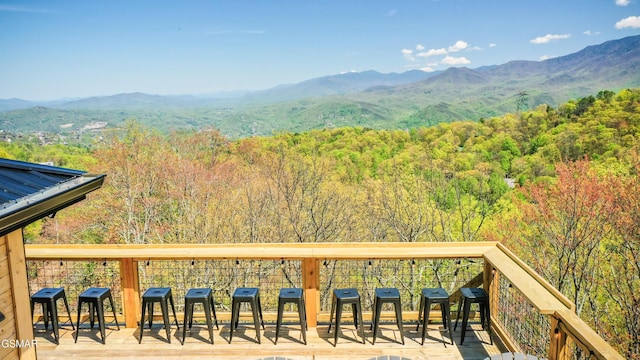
[369,98]
[341,84]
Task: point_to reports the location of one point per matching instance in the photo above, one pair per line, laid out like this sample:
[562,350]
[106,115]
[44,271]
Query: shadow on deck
[123,344]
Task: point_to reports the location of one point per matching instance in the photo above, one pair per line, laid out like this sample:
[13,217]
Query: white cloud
[433,52]
[546,57]
[590,33]
[549,37]
[418,57]
[623,2]
[459,45]
[630,22]
[408,54]
[450,60]
[493,45]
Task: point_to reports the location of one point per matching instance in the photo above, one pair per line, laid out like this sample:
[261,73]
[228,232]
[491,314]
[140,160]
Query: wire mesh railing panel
[524,323]
[75,277]
[223,277]
[408,276]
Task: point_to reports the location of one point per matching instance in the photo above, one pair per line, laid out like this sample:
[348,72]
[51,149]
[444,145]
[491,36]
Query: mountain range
[369,98]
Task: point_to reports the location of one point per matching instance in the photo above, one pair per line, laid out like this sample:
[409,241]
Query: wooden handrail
[294,251]
[534,288]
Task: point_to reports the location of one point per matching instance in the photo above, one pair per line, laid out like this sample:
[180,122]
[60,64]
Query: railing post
[130,291]
[491,283]
[559,348]
[311,286]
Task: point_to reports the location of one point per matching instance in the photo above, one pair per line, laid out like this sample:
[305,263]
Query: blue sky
[78,48]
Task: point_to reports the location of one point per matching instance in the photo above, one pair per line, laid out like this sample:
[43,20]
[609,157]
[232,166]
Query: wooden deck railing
[566,331]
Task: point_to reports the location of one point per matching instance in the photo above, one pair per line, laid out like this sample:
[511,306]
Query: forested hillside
[558,185]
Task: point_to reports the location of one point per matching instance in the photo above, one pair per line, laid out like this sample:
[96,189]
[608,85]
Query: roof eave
[48,202]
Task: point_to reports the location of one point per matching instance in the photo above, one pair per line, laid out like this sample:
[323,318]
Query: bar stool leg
[254,310]
[99,308]
[91,317]
[207,313]
[165,318]
[359,315]
[302,311]
[338,319]
[213,310]
[447,312]
[260,312]
[465,319]
[279,320]
[427,311]
[144,307]
[399,319]
[420,308]
[458,313]
[113,308]
[425,317]
[187,314]
[235,308]
[191,306]
[333,309]
[79,311]
[150,304]
[173,308]
[46,315]
[66,305]
[376,318]
[54,321]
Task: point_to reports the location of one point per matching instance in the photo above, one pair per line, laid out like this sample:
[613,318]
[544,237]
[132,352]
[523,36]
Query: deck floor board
[123,344]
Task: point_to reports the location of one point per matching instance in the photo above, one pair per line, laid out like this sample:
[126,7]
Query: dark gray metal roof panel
[31,191]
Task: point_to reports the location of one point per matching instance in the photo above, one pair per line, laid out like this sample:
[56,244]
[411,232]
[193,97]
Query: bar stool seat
[430,296]
[386,295]
[48,297]
[163,296]
[199,296]
[293,295]
[95,298]
[252,297]
[474,296]
[341,297]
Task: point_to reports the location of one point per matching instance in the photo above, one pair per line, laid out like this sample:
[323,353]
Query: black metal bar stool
[162,296]
[199,296]
[95,297]
[48,297]
[251,296]
[430,296]
[471,296]
[343,297]
[386,295]
[295,296]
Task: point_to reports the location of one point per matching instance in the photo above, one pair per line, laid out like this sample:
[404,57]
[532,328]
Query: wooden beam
[130,291]
[20,290]
[273,251]
[311,286]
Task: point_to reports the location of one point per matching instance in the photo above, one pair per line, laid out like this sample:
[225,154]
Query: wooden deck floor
[123,343]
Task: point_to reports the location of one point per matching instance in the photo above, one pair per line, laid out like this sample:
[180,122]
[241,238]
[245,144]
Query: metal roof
[30,191]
